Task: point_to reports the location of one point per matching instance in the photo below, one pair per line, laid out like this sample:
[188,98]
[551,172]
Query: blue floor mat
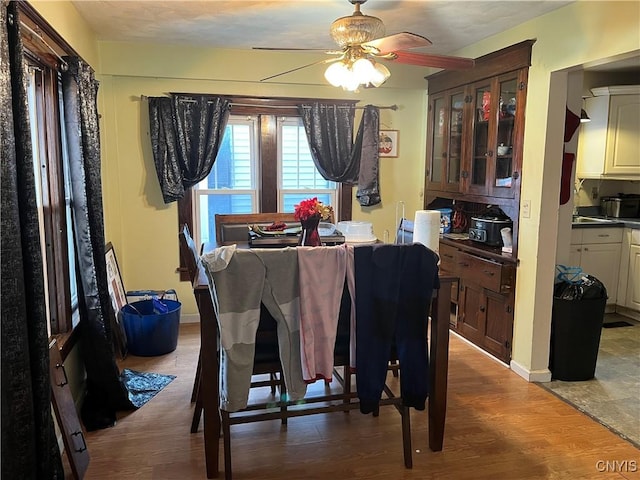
[143,386]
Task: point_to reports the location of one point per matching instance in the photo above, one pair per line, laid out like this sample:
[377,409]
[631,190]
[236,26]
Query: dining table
[438,363]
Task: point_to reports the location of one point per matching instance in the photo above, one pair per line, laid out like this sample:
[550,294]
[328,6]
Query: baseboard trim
[531,375]
[190,318]
[500,362]
[627,312]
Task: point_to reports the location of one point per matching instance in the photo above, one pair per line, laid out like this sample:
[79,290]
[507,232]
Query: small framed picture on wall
[388,143]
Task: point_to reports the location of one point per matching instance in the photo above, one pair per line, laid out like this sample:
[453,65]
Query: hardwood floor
[498,427]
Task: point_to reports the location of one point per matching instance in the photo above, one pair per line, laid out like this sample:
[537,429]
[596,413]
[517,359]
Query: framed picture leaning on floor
[118,300]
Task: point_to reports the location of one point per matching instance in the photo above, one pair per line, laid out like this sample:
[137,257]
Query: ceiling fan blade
[398,41]
[327,60]
[435,61]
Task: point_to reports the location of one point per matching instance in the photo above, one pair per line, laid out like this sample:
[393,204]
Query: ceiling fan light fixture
[355,30]
[381,75]
[363,70]
[335,73]
[350,77]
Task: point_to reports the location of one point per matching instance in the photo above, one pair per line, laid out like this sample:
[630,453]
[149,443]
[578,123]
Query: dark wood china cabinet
[474,158]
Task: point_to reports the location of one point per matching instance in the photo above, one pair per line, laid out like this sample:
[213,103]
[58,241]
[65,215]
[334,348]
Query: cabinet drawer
[576,236]
[448,258]
[602,235]
[488,274]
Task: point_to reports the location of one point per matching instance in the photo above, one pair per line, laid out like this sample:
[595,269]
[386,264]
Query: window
[239,181]
[297,174]
[264,143]
[51,168]
[231,187]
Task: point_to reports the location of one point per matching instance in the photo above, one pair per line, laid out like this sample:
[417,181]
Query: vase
[309,236]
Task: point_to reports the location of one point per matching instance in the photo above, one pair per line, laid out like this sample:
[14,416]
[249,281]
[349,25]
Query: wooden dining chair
[234,227]
[267,355]
[330,401]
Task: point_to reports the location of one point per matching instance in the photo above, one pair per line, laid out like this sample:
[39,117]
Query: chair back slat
[189,252]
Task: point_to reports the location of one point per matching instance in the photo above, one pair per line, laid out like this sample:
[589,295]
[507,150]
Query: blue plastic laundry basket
[151,327]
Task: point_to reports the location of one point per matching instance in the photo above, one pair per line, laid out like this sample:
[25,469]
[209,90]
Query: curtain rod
[63,64]
[233,104]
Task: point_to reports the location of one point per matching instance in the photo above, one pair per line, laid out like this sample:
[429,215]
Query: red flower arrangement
[312,208]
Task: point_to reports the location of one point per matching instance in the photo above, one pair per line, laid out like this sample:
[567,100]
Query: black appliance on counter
[621,206]
[486,228]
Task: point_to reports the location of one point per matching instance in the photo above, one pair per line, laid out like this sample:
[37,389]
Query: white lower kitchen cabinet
[629,283]
[602,261]
[633,284]
[598,254]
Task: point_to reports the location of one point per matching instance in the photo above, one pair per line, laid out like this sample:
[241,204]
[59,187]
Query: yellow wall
[66,20]
[144,230]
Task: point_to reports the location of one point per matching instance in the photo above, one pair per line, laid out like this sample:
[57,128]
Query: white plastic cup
[506,237]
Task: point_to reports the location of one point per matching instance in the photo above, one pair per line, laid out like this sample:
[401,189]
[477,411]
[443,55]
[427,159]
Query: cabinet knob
[489,153]
[515,175]
[482,308]
[464,174]
[444,154]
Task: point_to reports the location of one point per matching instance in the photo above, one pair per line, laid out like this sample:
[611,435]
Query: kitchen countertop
[481,249]
[603,222]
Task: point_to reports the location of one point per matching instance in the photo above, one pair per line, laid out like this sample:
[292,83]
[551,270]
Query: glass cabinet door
[504,148]
[454,151]
[492,158]
[481,153]
[438,115]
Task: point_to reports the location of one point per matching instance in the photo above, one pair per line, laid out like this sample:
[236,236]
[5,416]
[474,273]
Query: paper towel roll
[426,229]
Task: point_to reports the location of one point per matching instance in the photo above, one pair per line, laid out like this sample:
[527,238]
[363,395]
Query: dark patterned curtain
[186,133]
[29,446]
[329,129]
[366,147]
[105,391]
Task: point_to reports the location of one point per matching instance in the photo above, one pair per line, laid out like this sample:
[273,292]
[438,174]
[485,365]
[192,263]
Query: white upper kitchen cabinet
[609,145]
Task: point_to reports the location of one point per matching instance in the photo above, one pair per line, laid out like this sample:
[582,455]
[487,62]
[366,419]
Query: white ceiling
[243,24]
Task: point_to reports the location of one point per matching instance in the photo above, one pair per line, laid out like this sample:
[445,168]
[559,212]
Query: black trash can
[576,324]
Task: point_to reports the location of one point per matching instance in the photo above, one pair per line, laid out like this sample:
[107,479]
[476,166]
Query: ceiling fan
[361,40]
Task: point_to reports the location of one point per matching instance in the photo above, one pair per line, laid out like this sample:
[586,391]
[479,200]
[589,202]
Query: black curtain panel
[29,446]
[366,147]
[329,130]
[106,393]
[186,132]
